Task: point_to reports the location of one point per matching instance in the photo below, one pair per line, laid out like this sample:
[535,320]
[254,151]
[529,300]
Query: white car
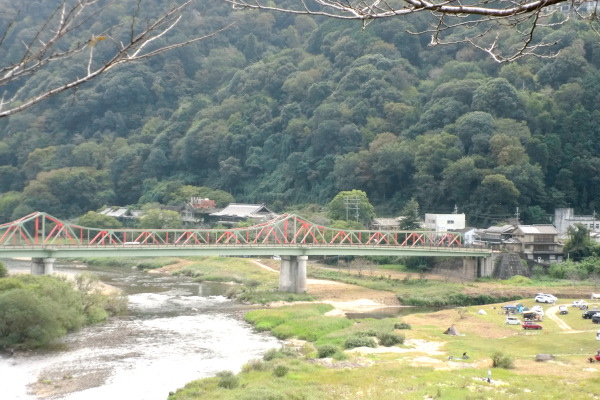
[537,309]
[579,303]
[512,320]
[545,298]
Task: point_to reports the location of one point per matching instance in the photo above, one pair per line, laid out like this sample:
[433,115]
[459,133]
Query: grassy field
[419,368]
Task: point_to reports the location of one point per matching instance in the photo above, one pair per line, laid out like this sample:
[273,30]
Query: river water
[175,331]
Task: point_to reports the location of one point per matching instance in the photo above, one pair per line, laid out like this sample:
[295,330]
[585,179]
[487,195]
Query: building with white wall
[565,217]
[444,222]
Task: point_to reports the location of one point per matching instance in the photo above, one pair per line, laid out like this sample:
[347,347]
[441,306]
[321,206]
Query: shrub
[326,351]
[390,339]
[370,332]
[358,341]
[228,380]
[280,370]
[3,271]
[284,352]
[502,360]
[254,365]
[402,325]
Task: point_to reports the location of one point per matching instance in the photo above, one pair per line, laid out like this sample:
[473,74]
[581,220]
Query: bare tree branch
[59,39]
[448,15]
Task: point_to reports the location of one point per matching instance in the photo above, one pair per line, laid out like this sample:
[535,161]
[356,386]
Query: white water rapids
[169,338]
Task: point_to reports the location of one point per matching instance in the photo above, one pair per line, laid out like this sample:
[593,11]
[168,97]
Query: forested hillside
[286,109]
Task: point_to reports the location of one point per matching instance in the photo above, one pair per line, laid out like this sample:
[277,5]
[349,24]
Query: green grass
[230,269]
[385,381]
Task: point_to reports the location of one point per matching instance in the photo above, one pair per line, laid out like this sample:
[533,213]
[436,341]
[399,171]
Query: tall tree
[410,215]
[351,205]
[579,245]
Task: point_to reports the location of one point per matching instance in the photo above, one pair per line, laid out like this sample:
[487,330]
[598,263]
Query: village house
[444,222]
[469,234]
[196,211]
[494,236]
[386,224]
[235,213]
[538,243]
[125,215]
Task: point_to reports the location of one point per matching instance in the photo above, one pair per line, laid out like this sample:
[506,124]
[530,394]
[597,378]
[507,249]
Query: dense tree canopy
[283,109]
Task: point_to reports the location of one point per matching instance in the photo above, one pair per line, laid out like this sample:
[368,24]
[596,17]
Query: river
[175,331]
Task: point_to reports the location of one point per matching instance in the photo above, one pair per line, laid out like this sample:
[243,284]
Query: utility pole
[352,203]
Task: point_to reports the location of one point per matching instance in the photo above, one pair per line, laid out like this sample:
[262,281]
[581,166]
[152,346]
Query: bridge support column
[470,270]
[485,267]
[42,266]
[292,274]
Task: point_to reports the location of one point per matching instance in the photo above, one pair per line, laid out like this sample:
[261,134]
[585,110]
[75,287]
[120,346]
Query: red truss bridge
[40,234]
[44,237]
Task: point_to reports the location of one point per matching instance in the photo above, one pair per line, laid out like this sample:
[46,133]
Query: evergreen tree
[410,215]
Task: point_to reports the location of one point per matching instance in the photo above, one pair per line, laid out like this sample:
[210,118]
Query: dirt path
[551,313]
[342,296]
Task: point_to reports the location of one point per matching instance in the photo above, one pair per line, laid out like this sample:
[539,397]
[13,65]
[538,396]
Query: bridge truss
[41,229]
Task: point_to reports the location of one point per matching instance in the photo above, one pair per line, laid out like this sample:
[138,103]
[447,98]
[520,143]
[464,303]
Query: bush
[518,280]
[228,380]
[284,352]
[402,325]
[280,370]
[326,351]
[358,341]
[35,310]
[390,339]
[502,360]
[370,332]
[3,271]
[254,365]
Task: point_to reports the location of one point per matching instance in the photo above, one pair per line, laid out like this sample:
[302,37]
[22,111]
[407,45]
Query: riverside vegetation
[37,310]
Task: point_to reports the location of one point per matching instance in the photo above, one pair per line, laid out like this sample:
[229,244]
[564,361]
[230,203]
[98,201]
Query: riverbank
[423,358]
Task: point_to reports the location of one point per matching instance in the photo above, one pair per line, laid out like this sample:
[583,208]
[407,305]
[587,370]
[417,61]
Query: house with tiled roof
[538,243]
[236,212]
[386,224]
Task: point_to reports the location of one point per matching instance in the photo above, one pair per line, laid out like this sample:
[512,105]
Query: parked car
[510,308]
[579,303]
[533,316]
[537,309]
[589,314]
[545,298]
[563,310]
[512,320]
[531,325]
[596,318]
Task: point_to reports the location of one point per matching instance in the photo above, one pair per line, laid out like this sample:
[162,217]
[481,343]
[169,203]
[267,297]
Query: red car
[531,325]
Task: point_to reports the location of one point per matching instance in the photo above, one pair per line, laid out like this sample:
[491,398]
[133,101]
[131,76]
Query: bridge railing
[40,229]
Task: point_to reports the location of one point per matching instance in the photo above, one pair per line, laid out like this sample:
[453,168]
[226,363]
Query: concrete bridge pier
[485,267]
[477,267]
[42,266]
[292,274]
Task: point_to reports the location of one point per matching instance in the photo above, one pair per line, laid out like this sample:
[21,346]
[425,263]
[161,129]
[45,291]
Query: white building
[565,217]
[444,222]
[576,6]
